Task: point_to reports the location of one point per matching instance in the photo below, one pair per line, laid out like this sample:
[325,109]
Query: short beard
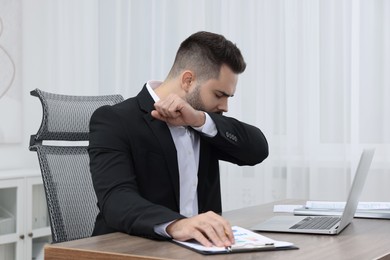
[193,98]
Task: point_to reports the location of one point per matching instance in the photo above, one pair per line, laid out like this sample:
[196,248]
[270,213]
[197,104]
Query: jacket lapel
[163,136]
[203,171]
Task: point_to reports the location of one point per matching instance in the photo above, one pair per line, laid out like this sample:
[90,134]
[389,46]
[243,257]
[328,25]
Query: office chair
[67,182]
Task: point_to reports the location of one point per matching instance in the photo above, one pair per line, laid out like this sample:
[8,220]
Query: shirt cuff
[209,128]
[162,229]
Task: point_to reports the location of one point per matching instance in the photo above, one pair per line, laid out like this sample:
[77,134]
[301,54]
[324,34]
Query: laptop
[330,225]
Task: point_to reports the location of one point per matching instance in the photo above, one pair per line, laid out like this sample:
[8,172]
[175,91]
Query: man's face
[213,94]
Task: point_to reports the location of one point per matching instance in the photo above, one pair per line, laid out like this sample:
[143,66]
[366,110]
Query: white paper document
[341,205]
[245,240]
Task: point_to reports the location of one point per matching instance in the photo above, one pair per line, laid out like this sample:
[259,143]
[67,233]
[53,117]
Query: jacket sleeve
[114,179]
[238,142]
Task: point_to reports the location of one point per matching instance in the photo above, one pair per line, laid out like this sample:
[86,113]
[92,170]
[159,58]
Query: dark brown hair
[205,53]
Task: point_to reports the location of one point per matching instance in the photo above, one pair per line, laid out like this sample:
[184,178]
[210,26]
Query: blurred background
[317,81]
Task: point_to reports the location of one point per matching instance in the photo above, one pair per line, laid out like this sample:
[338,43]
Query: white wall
[316,81]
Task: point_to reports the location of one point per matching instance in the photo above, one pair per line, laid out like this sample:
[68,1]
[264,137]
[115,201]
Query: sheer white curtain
[317,80]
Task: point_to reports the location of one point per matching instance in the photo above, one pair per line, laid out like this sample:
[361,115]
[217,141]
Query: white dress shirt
[187,146]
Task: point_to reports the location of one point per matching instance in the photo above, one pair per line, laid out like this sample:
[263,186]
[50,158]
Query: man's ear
[187,79]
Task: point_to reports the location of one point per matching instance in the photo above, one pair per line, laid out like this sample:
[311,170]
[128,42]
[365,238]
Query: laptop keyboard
[316,223]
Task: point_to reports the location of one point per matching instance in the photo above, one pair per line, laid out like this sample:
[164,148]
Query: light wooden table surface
[362,239]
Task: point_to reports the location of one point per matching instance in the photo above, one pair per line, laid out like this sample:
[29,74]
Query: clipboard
[246,241]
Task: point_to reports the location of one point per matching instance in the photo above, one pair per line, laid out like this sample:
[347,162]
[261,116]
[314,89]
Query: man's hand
[176,111]
[208,229]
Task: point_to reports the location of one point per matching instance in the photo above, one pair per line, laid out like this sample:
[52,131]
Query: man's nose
[223,106]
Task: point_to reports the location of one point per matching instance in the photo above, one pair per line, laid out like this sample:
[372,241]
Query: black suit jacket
[135,170]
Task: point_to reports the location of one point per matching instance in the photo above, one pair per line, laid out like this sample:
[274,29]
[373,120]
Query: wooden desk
[362,239]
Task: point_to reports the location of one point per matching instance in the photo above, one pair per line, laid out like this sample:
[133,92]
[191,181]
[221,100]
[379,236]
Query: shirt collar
[151,85]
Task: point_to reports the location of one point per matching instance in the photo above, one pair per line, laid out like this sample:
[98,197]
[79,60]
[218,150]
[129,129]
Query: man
[155,157]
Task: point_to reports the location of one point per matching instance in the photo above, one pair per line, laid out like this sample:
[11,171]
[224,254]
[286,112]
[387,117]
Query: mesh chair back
[67,117]
[70,196]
